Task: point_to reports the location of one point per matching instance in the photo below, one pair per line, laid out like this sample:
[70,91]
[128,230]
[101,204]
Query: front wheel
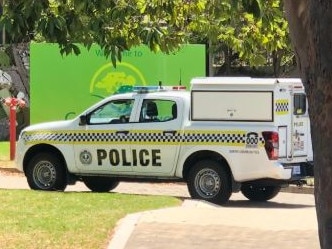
[259,193]
[209,181]
[100,184]
[46,172]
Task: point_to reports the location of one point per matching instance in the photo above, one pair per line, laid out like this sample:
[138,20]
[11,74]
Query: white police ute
[224,135]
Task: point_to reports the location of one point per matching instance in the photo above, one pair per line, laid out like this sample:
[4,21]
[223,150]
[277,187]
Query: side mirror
[83,120]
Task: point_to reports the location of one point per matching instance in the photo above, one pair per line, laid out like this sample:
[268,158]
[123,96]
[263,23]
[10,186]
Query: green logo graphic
[109,80]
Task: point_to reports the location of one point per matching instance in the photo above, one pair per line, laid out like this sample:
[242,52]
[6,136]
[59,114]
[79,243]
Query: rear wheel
[209,181]
[45,171]
[259,193]
[100,184]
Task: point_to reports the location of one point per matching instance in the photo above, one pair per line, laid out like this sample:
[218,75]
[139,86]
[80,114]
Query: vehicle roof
[206,83]
[153,94]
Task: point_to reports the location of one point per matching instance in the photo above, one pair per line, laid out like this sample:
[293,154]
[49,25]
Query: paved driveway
[287,221]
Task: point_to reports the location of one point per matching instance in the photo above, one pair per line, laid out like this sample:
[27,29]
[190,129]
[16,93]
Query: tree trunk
[228,59]
[211,53]
[310,23]
[276,62]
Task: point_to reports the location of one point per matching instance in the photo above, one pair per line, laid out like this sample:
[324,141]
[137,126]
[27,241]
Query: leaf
[42,25]
[258,60]
[119,55]
[113,56]
[58,24]
[265,40]
[50,28]
[76,49]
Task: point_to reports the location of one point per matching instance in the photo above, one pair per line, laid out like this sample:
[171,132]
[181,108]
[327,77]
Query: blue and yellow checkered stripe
[232,138]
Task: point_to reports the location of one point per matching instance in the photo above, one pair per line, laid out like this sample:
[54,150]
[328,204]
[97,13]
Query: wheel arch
[202,155]
[42,148]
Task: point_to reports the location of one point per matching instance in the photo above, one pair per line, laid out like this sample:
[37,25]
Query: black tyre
[209,181]
[259,193]
[46,172]
[100,184]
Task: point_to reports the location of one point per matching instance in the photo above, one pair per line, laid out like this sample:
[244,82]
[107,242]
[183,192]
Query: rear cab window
[158,110]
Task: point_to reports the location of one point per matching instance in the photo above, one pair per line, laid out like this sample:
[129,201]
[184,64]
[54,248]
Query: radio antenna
[180,83]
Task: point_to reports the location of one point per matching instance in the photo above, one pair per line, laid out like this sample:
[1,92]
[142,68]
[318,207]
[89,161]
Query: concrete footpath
[287,221]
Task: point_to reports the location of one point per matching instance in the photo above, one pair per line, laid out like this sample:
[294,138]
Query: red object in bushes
[13,103]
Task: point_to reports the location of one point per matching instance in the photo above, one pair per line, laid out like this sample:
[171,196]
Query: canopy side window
[300,104]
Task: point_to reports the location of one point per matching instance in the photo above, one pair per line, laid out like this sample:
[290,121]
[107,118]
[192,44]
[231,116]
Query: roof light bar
[146,89]
[179,88]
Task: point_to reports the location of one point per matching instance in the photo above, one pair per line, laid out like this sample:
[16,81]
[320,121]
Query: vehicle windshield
[115,111]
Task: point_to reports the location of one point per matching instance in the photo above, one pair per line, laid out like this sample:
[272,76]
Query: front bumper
[20,148]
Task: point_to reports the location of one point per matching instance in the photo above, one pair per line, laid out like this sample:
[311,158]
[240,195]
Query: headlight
[21,134]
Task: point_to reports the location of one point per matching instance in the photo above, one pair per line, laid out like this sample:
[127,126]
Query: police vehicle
[224,135]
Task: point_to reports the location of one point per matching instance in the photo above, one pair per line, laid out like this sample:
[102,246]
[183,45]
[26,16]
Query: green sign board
[62,87]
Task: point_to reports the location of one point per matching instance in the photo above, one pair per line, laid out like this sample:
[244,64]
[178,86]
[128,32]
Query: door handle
[121,132]
[169,133]
[298,134]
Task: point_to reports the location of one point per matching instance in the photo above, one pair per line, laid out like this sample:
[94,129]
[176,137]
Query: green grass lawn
[37,219]
[4,151]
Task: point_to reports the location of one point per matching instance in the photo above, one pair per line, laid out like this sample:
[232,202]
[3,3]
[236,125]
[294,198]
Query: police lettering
[142,157]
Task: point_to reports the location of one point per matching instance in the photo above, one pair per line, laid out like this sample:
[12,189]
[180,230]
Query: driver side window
[113,112]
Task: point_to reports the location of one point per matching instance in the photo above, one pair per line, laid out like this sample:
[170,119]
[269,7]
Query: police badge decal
[85,157]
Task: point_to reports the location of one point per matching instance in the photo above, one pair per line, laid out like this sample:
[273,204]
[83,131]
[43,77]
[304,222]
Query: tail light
[271,144]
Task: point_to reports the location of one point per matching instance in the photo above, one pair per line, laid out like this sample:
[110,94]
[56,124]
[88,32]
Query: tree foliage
[249,27]
[254,37]
[115,25]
